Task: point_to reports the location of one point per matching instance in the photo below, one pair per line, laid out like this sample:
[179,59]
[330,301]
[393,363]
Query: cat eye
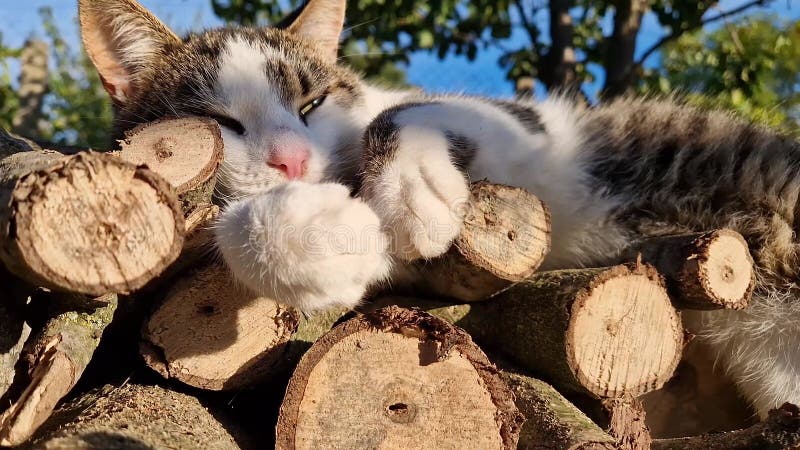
[311,106]
[229,123]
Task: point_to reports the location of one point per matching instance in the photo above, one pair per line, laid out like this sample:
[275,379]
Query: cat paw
[311,246]
[419,194]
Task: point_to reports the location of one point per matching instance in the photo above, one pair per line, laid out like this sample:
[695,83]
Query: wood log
[780,431]
[14,332]
[712,270]
[212,334]
[186,152]
[133,417]
[607,332]
[88,223]
[552,422]
[505,238]
[397,379]
[626,423]
[56,357]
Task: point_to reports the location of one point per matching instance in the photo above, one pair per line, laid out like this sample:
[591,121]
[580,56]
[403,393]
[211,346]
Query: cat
[330,184]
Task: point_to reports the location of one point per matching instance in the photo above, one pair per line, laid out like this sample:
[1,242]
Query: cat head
[285,106]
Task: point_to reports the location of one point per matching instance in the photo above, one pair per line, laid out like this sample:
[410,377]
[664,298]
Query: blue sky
[19,19]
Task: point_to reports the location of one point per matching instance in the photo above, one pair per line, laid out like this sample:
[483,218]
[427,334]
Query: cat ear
[321,21]
[122,39]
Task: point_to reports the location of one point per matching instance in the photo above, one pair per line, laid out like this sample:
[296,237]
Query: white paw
[419,195]
[311,246]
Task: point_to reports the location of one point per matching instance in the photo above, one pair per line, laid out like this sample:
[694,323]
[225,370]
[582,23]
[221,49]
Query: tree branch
[529,27]
[677,33]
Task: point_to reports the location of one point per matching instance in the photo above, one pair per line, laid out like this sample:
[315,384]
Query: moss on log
[133,417]
[55,359]
[552,422]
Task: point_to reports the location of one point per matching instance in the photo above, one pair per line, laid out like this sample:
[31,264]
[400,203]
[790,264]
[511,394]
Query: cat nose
[291,161]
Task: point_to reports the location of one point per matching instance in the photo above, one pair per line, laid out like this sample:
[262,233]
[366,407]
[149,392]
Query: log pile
[478,350]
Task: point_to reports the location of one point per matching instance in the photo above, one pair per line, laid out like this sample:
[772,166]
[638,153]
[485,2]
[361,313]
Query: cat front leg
[311,246]
[412,180]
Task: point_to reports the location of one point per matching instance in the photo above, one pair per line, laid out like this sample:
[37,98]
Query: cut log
[704,271]
[133,417]
[212,334]
[397,379]
[186,152]
[56,358]
[626,418]
[88,223]
[505,238]
[780,431]
[607,332]
[552,422]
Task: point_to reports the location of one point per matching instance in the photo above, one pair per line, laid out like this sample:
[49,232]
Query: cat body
[331,186]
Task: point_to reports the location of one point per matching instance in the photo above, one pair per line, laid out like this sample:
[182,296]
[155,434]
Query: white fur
[757,347]
[548,164]
[311,246]
[248,96]
[420,195]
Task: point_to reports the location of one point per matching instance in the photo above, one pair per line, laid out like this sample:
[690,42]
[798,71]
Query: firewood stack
[484,352]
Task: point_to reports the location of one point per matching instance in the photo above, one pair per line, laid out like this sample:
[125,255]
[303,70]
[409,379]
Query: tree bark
[133,417]
[88,223]
[55,359]
[606,332]
[505,238]
[621,48]
[627,423]
[780,431]
[552,422]
[712,270]
[558,70]
[397,379]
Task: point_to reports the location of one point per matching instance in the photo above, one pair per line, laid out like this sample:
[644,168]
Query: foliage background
[739,55]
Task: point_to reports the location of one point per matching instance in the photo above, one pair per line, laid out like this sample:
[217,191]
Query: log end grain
[506,231]
[212,334]
[186,152]
[720,271]
[624,336]
[397,378]
[93,224]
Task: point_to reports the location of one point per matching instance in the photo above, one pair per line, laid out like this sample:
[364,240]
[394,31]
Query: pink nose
[291,161]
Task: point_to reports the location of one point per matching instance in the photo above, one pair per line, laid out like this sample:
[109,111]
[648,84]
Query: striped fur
[611,175]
